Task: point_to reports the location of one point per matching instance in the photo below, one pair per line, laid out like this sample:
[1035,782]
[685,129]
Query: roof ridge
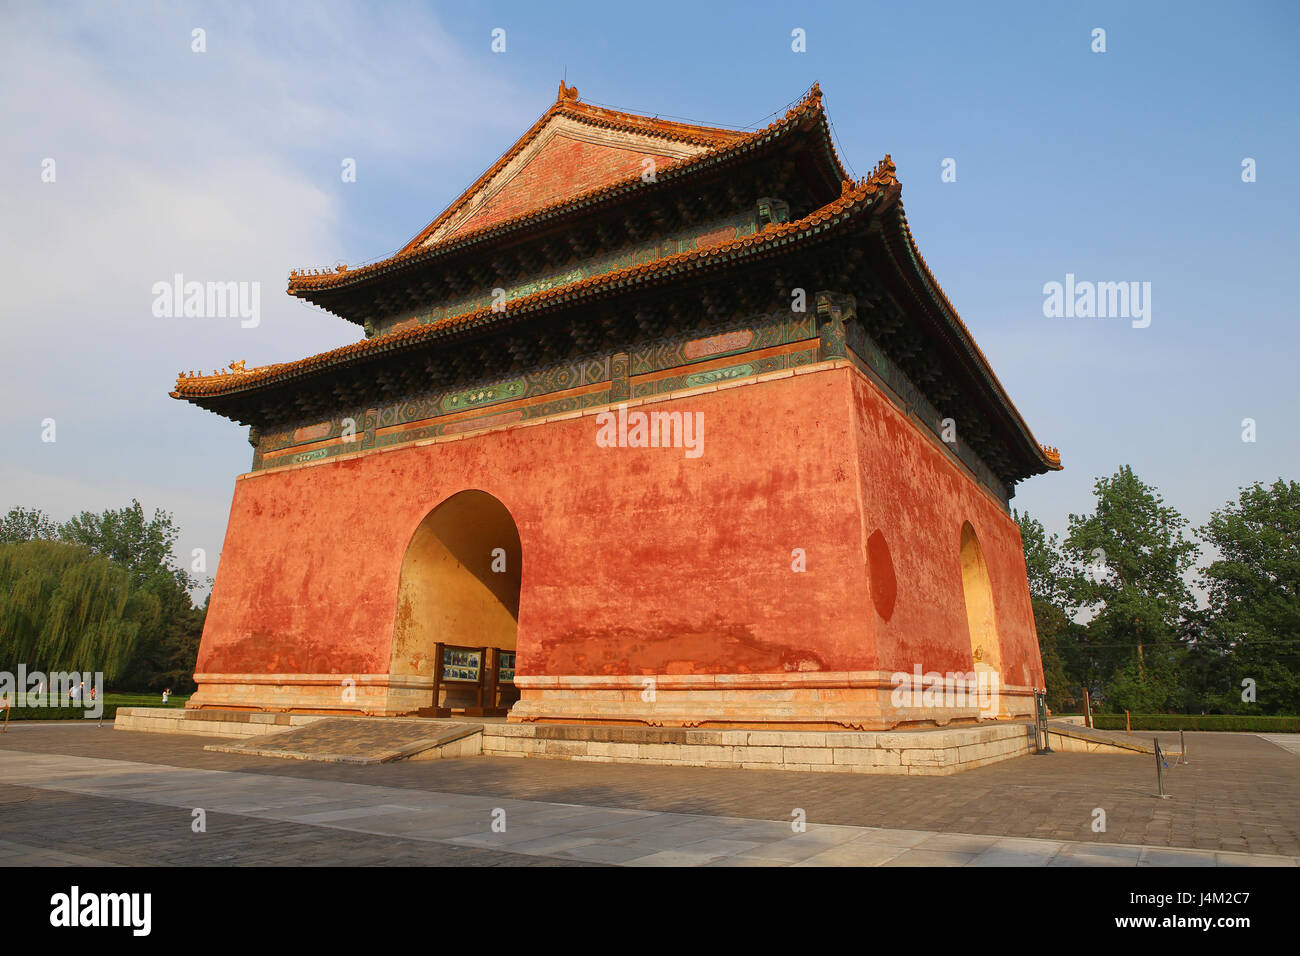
[650,125]
[568,103]
[303,279]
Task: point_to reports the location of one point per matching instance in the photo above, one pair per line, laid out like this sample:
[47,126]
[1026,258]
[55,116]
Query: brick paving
[51,828]
[1238,795]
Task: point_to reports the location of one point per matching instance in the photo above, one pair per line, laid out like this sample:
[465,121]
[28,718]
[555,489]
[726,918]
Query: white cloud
[219,166]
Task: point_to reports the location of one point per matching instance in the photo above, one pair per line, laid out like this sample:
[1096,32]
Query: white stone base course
[469,746]
[926,752]
[930,752]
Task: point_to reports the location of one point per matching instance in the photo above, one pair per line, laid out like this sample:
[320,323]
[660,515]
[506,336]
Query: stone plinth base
[814,700]
[925,752]
[921,752]
[381,695]
[851,700]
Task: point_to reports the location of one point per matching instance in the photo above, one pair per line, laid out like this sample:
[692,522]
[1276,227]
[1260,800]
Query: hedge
[55,713]
[1248,723]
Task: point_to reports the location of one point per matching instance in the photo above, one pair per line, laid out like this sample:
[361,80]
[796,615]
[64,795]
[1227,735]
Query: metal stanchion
[1182,746]
[1160,771]
[1038,735]
[1040,722]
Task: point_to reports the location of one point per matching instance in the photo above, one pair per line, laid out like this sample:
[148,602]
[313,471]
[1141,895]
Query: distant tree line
[1116,614]
[100,592]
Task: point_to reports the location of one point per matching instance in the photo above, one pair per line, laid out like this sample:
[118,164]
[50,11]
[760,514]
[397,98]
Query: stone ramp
[1075,738]
[364,740]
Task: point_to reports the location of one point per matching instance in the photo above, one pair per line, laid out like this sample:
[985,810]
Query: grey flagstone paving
[559,830]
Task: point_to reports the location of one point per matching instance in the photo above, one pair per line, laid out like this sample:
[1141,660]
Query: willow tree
[63,608]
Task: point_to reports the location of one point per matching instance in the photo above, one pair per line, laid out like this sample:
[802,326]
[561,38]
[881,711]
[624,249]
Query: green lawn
[149,699]
[112,701]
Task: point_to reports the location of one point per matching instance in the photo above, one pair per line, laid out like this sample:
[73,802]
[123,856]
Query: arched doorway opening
[459,586]
[985,646]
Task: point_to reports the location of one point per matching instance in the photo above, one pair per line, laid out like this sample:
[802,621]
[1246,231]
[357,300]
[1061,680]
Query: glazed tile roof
[693,137]
[1049,454]
[879,189]
[878,192]
[723,145]
[855,198]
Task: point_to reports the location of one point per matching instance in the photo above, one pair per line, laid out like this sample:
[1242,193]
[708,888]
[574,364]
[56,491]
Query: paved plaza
[78,794]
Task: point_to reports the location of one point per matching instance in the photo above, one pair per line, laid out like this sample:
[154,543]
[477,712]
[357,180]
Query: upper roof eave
[316,285]
[862,195]
[568,104]
[1049,457]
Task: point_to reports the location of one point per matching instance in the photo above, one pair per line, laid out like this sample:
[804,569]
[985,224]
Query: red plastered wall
[917,499]
[635,560]
[641,560]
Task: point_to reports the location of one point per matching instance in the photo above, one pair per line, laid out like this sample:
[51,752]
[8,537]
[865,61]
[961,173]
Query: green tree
[143,546]
[159,626]
[1043,565]
[1128,560]
[1253,590]
[146,548]
[27,524]
[1056,633]
[64,608]
[1043,562]
[181,650]
[165,655]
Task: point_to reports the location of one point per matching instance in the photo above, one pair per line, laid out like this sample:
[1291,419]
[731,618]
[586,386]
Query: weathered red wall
[917,499]
[640,561]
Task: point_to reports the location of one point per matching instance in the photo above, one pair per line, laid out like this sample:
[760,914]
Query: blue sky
[1115,166]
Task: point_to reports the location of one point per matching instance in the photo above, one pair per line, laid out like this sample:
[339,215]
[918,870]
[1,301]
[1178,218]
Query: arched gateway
[525,360]
[459,587]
